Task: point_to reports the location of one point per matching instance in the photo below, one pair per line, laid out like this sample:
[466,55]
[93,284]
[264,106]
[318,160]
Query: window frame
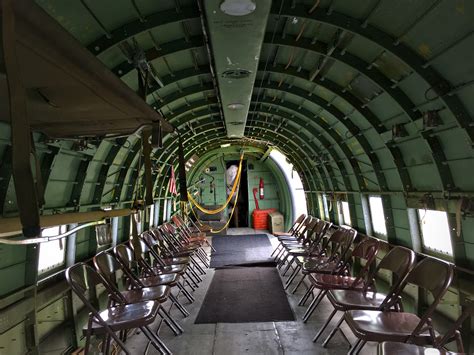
[429,250]
[327,215]
[43,273]
[341,213]
[371,211]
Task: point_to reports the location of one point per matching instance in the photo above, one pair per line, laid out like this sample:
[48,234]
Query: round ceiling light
[235,106]
[238,7]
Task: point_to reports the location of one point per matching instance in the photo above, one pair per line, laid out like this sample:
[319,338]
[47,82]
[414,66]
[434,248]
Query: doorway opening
[240,217]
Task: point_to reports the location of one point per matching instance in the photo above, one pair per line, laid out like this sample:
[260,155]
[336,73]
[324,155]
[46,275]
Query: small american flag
[172,186]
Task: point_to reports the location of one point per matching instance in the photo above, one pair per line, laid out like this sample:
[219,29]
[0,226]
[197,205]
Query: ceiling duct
[236,31]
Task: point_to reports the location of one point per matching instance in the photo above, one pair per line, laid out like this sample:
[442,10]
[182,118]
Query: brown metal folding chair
[295,236]
[453,334]
[126,258]
[364,253]
[119,318]
[431,275]
[398,262]
[108,267]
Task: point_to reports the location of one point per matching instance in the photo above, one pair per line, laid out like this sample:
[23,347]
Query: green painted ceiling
[333,79]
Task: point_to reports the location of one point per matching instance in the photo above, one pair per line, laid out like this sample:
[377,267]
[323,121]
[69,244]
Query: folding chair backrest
[178,221]
[306,233]
[399,261]
[298,221]
[432,275]
[340,242]
[302,226]
[107,266]
[125,256]
[366,250]
[82,278]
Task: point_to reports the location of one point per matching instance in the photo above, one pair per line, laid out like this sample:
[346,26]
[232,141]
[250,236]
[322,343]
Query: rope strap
[231,195]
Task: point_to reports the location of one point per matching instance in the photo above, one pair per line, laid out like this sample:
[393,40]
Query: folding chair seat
[189,233]
[453,334]
[390,348]
[365,252]
[301,240]
[154,246]
[125,256]
[398,262]
[306,250]
[296,236]
[431,275]
[293,228]
[297,231]
[327,256]
[167,263]
[144,261]
[118,318]
[183,238]
[168,246]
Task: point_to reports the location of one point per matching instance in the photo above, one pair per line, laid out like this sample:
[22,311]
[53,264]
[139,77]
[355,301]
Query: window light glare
[52,253]
[377,215]
[225,145]
[346,216]
[435,231]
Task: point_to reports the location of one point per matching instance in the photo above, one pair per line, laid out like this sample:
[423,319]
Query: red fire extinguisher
[260,189]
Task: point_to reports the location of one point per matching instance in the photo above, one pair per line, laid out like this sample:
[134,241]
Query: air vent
[236,123]
[236,74]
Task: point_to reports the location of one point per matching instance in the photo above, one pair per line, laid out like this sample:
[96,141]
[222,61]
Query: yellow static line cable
[230,217]
[232,192]
[194,214]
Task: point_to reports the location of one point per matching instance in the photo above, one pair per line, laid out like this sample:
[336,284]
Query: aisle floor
[247,338]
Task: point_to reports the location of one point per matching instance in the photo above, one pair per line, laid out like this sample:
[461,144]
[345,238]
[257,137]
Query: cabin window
[151,216]
[326,207]
[377,215]
[344,213]
[435,232]
[138,219]
[321,207]
[53,253]
[165,210]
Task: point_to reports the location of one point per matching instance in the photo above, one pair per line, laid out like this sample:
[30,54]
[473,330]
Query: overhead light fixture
[238,7]
[235,106]
[225,145]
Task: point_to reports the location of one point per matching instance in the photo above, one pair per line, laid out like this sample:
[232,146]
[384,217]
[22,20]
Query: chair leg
[277,257]
[323,328]
[179,305]
[195,274]
[185,292]
[290,263]
[186,281]
[173,324]
[292,276]
[277,248]
[359,348]
[333,332]
[354,347]
[299,283]
[210,245]
[314,304]
[196,264]
[156,341]
[306,296]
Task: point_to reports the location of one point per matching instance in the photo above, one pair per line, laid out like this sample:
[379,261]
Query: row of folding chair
[327,259]
[140,276]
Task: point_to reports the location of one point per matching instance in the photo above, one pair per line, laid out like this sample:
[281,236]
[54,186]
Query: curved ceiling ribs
[332,130]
